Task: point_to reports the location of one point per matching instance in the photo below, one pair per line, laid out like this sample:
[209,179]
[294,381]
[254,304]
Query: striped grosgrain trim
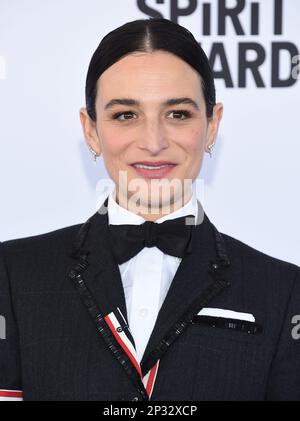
[11,395]
[127,346]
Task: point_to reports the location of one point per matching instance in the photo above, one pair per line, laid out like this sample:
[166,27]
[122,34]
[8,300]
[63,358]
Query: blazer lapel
[102,275]
[192,282]
[97,278]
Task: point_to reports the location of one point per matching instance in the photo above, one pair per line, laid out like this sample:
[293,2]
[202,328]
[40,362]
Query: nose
[153,137]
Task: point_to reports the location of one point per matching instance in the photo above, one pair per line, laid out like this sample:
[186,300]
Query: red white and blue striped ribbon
[11,395]
[127,346]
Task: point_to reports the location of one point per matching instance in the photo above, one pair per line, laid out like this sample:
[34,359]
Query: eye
[181,114]
[124,114]
[129,115]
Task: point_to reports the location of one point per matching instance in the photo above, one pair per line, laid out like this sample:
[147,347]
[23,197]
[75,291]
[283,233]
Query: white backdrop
[47,178]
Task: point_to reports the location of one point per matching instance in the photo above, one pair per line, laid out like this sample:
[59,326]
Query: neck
[149,211]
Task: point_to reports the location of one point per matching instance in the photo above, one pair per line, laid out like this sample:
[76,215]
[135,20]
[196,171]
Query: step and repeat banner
[250,187]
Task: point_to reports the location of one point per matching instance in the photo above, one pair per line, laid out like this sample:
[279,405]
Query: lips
[153,163]
[153,169]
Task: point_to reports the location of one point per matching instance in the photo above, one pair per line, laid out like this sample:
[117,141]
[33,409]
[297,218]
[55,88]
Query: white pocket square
[229,314]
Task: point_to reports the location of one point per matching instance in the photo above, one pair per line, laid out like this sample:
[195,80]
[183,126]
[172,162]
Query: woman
[147,300]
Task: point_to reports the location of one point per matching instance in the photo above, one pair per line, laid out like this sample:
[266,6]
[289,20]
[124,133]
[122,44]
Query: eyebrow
[133,102]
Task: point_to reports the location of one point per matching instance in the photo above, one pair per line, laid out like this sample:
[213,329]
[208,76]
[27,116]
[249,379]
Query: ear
[213,125]
[89,131]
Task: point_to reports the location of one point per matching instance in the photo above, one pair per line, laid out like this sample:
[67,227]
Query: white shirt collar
[117,215]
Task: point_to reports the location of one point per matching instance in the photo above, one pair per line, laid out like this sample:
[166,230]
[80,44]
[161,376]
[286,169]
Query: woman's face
[138,124]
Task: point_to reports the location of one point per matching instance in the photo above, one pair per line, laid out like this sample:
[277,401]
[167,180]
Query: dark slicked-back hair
[149,35]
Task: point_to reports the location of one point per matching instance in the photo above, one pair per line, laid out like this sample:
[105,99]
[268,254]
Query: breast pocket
[237,325]
[222,333]
[231,358]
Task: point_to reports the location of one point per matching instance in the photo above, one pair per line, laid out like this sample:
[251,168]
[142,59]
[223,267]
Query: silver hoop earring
[94,154]
[210,148]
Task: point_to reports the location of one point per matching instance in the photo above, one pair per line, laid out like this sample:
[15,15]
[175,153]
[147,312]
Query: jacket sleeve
[10,364]
[284,379]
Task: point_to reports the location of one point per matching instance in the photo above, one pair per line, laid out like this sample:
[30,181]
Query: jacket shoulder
[57,237]
[35,253]
[256,259]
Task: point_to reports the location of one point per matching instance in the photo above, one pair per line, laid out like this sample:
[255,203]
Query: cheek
[194,142]
[113,143]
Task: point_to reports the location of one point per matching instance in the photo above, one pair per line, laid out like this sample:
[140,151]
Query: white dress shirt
[147,276]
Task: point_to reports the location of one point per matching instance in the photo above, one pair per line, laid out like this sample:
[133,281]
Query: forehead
[149,74]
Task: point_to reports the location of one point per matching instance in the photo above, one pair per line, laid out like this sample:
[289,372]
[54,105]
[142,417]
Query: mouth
[157,169]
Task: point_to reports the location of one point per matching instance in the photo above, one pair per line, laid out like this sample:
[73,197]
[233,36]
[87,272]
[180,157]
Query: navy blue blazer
[65,335]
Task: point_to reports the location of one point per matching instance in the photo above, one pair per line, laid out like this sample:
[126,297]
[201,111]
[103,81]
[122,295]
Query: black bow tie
[172,237]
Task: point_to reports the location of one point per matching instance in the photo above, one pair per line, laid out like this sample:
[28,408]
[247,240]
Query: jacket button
[136,398]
